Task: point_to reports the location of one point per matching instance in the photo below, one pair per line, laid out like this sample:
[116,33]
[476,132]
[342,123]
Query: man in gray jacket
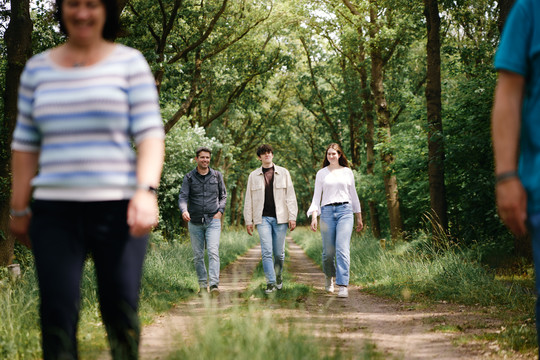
[270,203]
[202,203]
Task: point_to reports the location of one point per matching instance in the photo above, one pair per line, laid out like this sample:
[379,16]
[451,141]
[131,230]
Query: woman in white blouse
[335,199]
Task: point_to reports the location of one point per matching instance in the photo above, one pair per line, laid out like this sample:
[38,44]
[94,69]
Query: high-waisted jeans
[336,229]
[63,234]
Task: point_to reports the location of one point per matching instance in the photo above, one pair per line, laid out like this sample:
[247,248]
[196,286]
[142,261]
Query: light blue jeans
[336,229]
[200,235]
[272,237]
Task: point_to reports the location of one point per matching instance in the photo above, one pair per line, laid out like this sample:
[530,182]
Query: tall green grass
[255,334]
[418,270]
[19,328]
[168,277]
[421,270]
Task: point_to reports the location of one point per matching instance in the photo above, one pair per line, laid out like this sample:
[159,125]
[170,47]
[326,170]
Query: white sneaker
[343,292]
[270,288]
[329,286]
[279,282]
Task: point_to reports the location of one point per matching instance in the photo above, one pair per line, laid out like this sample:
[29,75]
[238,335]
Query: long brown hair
[342,158]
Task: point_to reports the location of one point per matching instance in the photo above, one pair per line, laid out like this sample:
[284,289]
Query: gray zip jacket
[202,196]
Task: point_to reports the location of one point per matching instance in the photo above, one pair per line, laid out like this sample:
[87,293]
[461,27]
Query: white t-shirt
[334,187]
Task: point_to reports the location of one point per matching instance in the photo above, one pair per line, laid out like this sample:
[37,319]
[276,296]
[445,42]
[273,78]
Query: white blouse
[334,187]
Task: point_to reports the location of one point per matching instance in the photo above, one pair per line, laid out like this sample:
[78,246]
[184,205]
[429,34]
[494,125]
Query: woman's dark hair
[112,21]
[342,159]
[263,149]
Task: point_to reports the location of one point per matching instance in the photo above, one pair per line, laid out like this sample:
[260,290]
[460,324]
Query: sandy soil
[398,330]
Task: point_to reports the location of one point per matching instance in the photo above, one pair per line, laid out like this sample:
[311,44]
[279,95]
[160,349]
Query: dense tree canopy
[301,74]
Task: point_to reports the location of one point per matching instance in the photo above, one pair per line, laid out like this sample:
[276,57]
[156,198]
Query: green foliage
[471,202]
[255,84]
[45,34]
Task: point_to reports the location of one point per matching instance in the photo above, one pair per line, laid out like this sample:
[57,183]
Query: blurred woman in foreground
[81,106]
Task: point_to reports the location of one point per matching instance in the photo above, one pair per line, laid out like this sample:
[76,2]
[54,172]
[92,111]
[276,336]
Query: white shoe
[329,286]
[343,292]
[279,282]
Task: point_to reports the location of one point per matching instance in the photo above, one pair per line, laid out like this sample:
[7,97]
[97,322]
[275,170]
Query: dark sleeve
[184,194]
[222,193]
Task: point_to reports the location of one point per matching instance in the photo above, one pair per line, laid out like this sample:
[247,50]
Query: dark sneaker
[214,290]
[270,288]
[202,290]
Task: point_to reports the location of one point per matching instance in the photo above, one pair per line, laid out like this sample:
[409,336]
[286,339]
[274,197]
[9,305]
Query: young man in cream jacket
[270,203]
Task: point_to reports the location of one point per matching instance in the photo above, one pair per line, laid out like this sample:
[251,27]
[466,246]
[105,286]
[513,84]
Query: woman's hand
[314,221]
[142,214]
[18,225]
[359,223]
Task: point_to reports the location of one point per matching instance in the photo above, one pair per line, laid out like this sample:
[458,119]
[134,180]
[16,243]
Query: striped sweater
[83,122]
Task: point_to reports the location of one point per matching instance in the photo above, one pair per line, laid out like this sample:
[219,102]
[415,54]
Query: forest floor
[396,330]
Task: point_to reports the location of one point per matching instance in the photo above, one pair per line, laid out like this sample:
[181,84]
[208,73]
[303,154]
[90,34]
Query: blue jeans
[336,229]
[272,237]
[201,235]
[63,233]
[534,228]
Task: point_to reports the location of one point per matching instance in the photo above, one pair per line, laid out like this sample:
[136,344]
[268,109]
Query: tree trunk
[367,107]
[384,135]
[234,204]
[436,154]
[355,116]
[504,9]
[240,207]
[18,39]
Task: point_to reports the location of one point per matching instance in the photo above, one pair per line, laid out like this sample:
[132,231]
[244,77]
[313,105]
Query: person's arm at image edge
[506,125]
[24,167]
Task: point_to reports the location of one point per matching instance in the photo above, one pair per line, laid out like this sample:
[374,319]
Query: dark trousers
[64,234]
[534,228]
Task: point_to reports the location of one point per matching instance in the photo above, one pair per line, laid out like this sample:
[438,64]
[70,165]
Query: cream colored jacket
[284,197]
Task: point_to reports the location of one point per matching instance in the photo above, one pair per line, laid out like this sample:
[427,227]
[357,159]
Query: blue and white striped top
[83,122]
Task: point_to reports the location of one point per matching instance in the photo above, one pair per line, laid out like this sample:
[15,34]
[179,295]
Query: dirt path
[398,330]
[175,327]
[361,318]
